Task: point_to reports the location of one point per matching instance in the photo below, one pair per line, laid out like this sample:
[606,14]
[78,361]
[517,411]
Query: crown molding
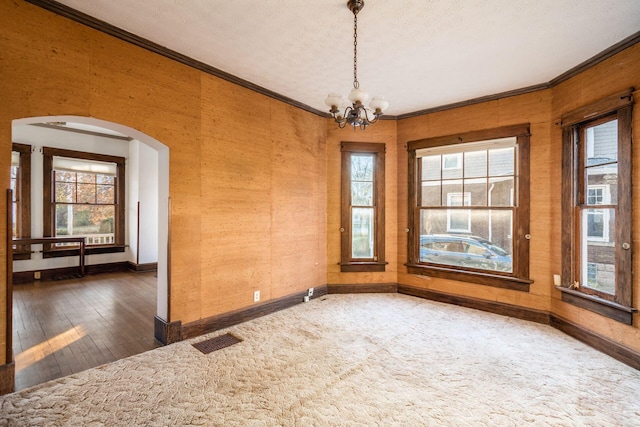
[97,24]
[82,18]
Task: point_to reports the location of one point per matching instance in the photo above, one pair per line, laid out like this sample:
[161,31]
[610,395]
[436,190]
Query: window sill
[90,250]
[610,309]
[478,278]
[359,267]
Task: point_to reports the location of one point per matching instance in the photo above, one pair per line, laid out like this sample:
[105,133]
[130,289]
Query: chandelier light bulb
[334,100]
[358,94]
[379,103]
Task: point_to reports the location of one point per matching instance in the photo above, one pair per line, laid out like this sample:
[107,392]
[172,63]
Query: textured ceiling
[418,54]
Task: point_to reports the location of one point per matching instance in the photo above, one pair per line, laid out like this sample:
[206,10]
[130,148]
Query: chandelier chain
[356,84]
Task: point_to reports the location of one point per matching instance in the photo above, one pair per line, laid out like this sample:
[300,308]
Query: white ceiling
[418,54]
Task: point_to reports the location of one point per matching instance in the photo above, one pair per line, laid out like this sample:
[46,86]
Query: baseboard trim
[363,288]
[167,332]
[68,272]
[214,323]
[524,313]
[142,268]
[7,378]
[617,351]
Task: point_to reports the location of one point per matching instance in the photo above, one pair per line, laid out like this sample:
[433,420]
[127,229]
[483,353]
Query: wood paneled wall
[614,75]
[247,172]
[542,109]
[255,183]
[530,108]
[382,132]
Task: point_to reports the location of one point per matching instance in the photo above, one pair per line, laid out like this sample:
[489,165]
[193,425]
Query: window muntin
[597,207]
[362,207]
[494,249]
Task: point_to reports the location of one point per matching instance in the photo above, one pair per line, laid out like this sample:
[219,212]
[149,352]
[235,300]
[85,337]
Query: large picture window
[85,198]
[596,207]
[469,207]
[362,205]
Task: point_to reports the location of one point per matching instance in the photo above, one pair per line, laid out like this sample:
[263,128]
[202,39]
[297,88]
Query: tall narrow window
[21,203]
[469,211]
[362,219]
[596,209]
[85,197]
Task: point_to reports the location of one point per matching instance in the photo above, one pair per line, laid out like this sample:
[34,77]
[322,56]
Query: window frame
[620,305]
[347,262]
[49,203]
[518,279]
[23,220]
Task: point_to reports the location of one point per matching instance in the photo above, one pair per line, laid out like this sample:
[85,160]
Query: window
[86,197]
[596,207]
[21,198]
[463,218]
[362,205]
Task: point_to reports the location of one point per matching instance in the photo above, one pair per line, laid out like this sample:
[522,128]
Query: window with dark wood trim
[362,207]
[469,207]
[83,195]
[596,207]
[21,186]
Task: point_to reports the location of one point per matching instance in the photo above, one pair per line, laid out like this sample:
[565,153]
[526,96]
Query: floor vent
[216,343]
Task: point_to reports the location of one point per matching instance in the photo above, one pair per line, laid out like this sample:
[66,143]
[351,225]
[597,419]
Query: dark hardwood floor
[67,326]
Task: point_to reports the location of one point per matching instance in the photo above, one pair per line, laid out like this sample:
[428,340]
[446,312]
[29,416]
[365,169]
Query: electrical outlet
[256,296]
[310,292]
[36,275]
[556,280]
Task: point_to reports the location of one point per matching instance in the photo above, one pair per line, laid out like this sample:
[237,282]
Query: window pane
[598,250]
[362,233]
[105,179]
[487,246]
[95,222]
[361,194]
[87,178]
[475,164]
[361,167]
[431,192]
[477,190]
[501,191]
[106,194]
[452,166]
[606,178]
[65,192]
[86,193]
[431,167]
[501,161]
[473,250]
[63,176]
[451,192]
[602,143]
[14,183]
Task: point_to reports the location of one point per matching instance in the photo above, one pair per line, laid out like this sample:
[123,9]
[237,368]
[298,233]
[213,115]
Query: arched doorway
[161,215]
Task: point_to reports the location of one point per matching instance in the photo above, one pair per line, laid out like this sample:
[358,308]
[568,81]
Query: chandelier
[356,114]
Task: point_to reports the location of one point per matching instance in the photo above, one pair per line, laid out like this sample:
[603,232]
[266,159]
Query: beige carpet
[351,360]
